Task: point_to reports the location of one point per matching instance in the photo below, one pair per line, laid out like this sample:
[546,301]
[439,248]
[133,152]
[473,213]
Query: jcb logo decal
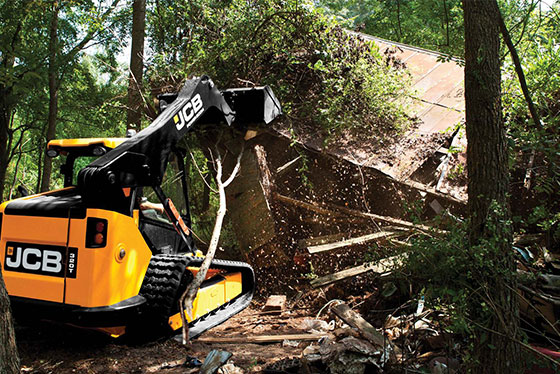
[40,259]
[189,113]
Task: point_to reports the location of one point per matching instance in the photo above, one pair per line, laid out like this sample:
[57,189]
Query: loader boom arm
[142,159]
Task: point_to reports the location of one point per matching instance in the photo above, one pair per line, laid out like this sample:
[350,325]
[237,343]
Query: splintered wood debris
[381,268]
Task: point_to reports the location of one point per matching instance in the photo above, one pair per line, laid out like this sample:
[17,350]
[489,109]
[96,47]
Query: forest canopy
[323,76]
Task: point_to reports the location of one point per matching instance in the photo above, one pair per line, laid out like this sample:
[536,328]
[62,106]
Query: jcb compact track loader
[88,255]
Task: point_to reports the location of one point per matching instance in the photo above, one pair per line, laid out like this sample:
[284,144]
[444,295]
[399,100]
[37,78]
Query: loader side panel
[111,273]
[33,256]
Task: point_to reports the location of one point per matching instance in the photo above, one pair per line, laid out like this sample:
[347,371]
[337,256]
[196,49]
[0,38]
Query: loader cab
[156,227]
[79,153]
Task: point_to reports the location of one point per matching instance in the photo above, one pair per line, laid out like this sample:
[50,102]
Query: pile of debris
[409,341]
[341,341]
[539,288]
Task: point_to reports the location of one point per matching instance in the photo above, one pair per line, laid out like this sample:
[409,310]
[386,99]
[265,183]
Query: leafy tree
[80,25]
[322,75]
[63,52]
[20,40]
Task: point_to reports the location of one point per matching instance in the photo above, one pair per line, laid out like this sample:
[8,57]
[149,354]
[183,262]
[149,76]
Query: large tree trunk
[9,361]
[53,94]
[487,190]
[5,114]
[134,111]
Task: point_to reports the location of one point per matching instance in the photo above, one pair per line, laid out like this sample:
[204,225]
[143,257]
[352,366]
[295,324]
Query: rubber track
[162,283]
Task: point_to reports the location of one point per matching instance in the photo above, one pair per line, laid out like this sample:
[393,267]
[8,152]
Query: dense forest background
[64,73]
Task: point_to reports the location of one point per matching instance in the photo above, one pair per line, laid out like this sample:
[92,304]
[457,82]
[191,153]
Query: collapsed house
[310,212]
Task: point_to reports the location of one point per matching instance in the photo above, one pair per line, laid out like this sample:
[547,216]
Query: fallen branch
[391,220]
[287,165]
[548,298]
[336,210]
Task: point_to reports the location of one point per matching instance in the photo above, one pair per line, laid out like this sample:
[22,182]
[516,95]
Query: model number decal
[72,267]
[189,113]
[41,259]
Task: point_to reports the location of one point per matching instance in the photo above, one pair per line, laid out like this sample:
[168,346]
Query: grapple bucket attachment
[252,105]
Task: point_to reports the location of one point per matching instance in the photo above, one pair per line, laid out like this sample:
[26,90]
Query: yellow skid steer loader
[88,255]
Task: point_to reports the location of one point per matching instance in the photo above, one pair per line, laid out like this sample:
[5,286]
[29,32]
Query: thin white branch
[236,168]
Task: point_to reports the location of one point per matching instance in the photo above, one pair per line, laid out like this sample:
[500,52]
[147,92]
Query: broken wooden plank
[350,242]
[421,187]
[287,165]
[260,339]
[305,205]
[355,320]
[391,220]
[214,361]
[339,210]
[265,179]
[275,303]
[383,267]
[304,243]
[400,243]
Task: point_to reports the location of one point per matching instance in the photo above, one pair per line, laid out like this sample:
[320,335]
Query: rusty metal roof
[438,101]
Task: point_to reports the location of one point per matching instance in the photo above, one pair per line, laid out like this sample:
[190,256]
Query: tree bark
[487,165]
[7,110]
[135,102]
[53,94]
[9,361]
